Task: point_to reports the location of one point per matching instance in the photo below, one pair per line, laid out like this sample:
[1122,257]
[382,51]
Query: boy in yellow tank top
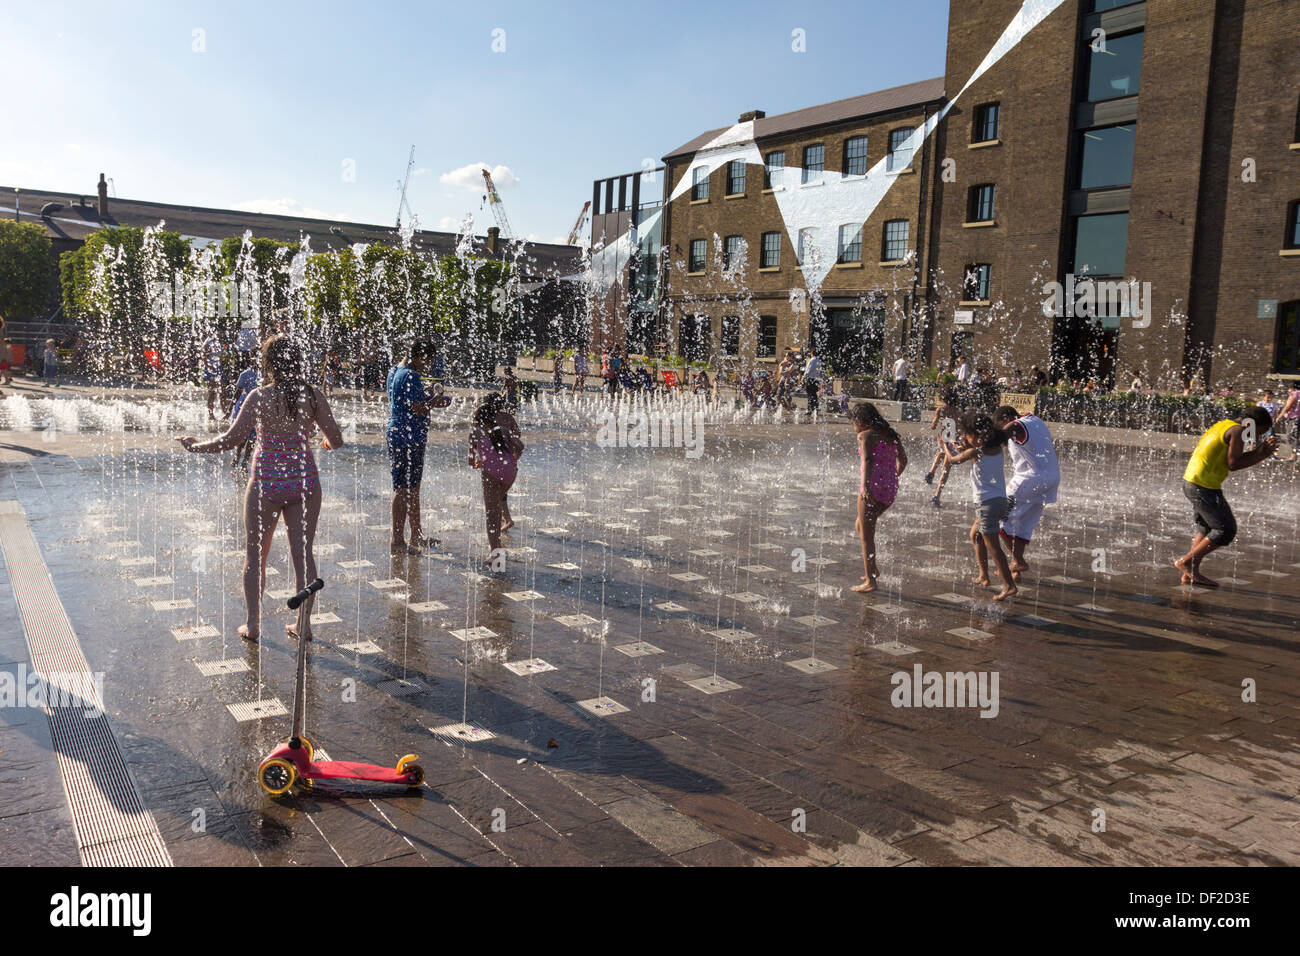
[1227,446]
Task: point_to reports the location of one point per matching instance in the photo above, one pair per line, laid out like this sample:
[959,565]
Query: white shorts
[1021,521]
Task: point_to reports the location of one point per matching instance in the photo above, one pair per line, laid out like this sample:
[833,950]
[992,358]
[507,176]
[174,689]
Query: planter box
[543,365]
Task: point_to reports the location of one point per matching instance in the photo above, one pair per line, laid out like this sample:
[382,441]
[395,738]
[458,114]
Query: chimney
[103,196]
[494,237]
[751,115]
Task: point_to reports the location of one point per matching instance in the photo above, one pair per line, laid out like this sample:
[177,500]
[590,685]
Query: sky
[312,108]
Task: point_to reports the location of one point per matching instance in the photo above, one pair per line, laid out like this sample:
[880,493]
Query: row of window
[897,159]
[696,335]
[893,246]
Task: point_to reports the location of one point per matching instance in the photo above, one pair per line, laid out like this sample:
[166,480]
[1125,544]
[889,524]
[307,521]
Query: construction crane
[493,199]
[401,202]
[576,234]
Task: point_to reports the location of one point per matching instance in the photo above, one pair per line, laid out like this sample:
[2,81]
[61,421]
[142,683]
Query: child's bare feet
[246,634]
[507,526]
[1193,575]
[866,587]
[1007,592]
[292,630]
[423,541]
[1018,566]
[982,581]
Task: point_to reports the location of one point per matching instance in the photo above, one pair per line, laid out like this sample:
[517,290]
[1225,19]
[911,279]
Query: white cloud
[471,176]
[421,171]
[451,224]
[285,206]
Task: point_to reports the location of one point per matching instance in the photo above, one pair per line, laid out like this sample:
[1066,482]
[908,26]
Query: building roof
[79,217]
[868,104]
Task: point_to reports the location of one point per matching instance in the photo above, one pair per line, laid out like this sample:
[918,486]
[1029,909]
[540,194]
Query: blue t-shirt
[246,382]
[404,387]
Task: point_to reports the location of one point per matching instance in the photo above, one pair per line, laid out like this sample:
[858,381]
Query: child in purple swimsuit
[284,480]
[882,460]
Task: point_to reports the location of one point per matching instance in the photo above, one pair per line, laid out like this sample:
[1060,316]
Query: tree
[27,279]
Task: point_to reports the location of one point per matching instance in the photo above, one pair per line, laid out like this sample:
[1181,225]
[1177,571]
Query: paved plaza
[671,669]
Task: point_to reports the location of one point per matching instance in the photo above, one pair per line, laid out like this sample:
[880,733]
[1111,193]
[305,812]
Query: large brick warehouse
[1153,147]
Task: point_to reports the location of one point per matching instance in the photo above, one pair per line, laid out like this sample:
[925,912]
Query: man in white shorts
[1034,482]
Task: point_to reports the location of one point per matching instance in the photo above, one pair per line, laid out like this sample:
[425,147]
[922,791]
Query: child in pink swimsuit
[882,459]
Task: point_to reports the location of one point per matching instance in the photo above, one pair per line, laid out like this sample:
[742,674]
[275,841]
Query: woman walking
[284,480]
[494,448]
[881,462]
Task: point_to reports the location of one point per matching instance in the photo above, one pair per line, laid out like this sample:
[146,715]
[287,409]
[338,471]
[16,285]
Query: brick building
[767,209]
[1152,147]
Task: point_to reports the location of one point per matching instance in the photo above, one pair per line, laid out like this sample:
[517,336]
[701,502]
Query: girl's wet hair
[485,417]
[986,434]
[868,416]
[284,369]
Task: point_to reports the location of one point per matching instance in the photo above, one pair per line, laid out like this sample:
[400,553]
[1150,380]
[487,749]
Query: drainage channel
[112,824]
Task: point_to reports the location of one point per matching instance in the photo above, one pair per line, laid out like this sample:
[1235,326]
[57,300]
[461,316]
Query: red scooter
[293,760]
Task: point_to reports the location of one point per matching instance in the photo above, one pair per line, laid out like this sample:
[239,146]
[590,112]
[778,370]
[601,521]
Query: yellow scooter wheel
[408,765]
[276,776]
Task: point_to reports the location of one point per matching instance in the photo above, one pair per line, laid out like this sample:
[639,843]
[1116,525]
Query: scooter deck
[337,769]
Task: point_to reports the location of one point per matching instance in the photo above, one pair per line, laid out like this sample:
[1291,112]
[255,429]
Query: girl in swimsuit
[284,479]
[882,460]
[494,448]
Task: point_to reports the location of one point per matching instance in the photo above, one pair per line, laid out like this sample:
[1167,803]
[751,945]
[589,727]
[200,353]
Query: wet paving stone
[1137,711]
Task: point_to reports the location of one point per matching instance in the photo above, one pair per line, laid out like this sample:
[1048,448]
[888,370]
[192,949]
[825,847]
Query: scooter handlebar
[305,593]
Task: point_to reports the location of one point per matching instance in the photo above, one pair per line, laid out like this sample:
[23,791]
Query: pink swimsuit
[283,466]
[884,472]
[499,465]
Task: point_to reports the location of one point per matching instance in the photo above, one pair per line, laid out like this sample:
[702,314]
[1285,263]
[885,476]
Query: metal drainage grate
[112,825]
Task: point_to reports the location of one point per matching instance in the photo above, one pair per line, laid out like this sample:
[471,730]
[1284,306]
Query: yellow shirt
[1209,464]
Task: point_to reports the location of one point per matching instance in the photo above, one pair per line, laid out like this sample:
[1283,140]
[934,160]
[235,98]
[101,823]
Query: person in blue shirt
[247,381]
[407,432]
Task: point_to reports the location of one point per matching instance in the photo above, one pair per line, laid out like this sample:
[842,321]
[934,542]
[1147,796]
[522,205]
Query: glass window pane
[900,155]
[700,186]
[735,177]
[850,247]
[855,156]
[986,123]
[773,174]
[1107,157]
[697,255]
[1293,237]
[1116,70]
[1100,243]
[771,255]
[814,161]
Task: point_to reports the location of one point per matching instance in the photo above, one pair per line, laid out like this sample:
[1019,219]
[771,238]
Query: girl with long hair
[283,481]
[495,446]
[882,460]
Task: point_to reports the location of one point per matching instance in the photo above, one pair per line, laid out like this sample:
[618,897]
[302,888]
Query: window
[1288,339]
[986,123]
[730,253]
[979,208]
[735,177]
[855,156]
[770,256]
[695,337]
[895,245]
[807,245]
[700,184]
[1099,5]
[814,161]
[850,248]
[900,154]
[975,288]
[1107,157]
[766,336]
[1293,225]
[774,170]
[699,249]
[731,334]
[1115,69]
[1099,244]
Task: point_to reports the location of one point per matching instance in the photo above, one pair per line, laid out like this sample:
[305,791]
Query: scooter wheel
[276,776]
[311,751]
[408,765]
